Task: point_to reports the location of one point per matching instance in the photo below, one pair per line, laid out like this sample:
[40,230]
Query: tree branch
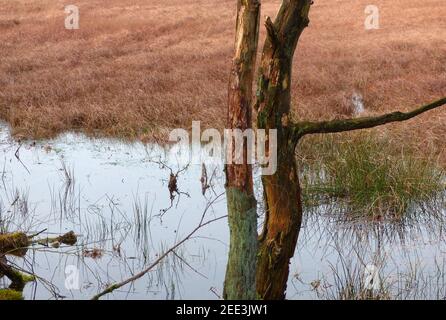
[135,277]
[291,20]
[303,128]
[272,32]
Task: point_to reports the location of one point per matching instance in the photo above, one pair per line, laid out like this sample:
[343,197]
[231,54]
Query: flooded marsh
[118,199]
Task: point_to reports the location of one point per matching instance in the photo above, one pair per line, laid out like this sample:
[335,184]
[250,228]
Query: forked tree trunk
[282,191]
[282,194]
[242,215]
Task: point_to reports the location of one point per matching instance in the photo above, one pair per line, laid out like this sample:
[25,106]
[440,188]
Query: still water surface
[114,195]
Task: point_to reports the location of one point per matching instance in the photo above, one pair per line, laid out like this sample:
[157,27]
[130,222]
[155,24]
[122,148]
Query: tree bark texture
[282,190]
[242,215]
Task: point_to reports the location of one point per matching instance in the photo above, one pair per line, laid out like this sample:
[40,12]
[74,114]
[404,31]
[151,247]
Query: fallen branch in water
[14,244]
[17,243]
[202,224]
[18,279]
[68,238]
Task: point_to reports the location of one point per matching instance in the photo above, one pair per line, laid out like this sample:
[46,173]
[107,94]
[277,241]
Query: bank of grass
[137,69]
[370,175]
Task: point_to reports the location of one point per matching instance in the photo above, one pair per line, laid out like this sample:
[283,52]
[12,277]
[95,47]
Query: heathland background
[136,69]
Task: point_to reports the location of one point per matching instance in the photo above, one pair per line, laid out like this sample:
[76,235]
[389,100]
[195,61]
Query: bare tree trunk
[282,194]
[281,228]
[282,190]
[242,215]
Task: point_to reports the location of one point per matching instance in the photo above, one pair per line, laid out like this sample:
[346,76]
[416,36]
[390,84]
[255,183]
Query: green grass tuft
[370,174]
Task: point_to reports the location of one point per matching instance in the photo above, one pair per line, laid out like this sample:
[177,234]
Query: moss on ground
[8,294]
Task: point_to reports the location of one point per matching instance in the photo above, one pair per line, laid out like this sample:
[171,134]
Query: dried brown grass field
[136,69]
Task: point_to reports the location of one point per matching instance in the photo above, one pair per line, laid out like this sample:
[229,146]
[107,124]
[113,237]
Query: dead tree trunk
[242,215]
[282,190]
[282,194]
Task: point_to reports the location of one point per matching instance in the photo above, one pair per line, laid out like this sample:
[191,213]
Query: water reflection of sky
[118,192]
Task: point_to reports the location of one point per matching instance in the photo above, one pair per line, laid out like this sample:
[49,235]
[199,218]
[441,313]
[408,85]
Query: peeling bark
[282,190]
[282,194]
[242,216]
[281,229]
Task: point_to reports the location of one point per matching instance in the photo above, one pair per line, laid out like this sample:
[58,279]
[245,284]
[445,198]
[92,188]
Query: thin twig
[202,224]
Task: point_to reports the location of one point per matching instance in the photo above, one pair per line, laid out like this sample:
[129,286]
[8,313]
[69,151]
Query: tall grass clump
[370,174]
[350,283]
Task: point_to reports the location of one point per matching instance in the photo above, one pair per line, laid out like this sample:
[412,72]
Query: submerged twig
[16,154]
[172,185]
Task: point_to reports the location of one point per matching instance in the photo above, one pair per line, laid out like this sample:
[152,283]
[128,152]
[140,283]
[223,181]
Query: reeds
[371,175]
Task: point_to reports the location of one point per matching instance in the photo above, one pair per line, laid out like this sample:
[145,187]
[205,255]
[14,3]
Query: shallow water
[113,195]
